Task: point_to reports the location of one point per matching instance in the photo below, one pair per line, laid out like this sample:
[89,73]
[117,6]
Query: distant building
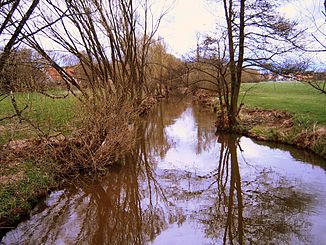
[54,76]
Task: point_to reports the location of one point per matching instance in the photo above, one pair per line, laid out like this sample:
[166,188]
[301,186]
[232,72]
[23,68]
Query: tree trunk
[235,67]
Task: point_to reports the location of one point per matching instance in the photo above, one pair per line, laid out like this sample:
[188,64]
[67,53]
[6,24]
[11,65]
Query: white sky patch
[306,11]
[184,21]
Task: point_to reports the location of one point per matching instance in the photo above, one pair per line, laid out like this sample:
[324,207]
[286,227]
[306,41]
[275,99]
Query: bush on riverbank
[104,132]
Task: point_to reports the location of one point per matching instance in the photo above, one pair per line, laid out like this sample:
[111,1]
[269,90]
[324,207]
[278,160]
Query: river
[186,185]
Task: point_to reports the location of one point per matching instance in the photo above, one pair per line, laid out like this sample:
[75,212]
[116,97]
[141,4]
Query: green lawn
[51,115]
[300,99]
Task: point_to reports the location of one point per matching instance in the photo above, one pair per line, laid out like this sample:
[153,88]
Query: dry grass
[280,126]
[105,132]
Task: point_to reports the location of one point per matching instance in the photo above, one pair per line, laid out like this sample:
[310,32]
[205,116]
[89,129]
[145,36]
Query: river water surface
[186,185]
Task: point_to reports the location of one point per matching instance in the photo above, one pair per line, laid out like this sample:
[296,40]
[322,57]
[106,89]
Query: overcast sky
[189,17]
[185,19]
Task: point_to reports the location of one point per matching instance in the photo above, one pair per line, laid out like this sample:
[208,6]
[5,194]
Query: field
[51,115]
[305,103]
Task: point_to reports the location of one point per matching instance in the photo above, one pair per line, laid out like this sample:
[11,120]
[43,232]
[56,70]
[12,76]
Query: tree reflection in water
[118,209]
[263,208]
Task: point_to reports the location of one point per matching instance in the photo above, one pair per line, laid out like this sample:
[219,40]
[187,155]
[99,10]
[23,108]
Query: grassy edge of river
[279,126]
[292,113]
[25,184]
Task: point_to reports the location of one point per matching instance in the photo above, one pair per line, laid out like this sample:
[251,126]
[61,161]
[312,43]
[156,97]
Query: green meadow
[305,103]
[50,115]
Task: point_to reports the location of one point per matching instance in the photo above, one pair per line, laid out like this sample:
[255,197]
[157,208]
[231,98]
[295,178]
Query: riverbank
[280,126]
[287,112]
[292,113]
[23,183]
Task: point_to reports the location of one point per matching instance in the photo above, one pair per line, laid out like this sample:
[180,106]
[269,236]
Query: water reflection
[106,211]
[263,209]
[186,185]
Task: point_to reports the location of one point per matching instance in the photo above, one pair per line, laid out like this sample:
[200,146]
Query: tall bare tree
[254,35]
[110,39]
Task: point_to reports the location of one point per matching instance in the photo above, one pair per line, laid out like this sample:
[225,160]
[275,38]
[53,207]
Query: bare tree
[315,39]
[110,39]
[14,16]
[8,9]
[318,82]
[254,35]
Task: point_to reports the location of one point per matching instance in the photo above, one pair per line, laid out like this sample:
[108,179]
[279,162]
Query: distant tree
[165,71]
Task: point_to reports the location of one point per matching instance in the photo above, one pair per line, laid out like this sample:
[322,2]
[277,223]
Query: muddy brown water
[186,185]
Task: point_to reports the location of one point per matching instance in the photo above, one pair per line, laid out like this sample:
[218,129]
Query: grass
[304,102]
[51,115]
[23,180]
[22,183]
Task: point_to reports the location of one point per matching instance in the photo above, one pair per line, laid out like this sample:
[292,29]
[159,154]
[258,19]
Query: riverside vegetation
[73,142]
